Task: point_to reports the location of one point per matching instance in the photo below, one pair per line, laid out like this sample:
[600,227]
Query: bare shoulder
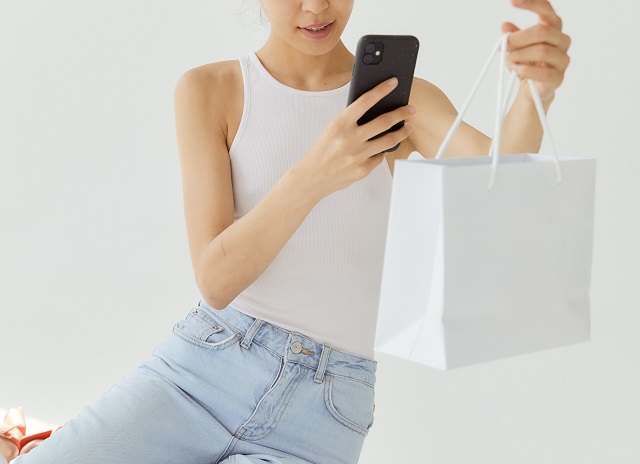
[426,97]
[434,114]
[426,93]
[434,110]
[217,79]
[214,91]
[432,120]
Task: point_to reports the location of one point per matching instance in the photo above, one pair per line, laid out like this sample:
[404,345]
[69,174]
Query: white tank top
[325,282]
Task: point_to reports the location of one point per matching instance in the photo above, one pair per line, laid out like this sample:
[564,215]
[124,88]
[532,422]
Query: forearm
[237,256]
[522,131]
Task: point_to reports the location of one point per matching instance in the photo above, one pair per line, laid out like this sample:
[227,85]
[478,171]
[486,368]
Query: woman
[285,203]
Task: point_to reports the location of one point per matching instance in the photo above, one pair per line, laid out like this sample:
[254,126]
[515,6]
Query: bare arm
[538,53]
[226,256]
[434,116]
[522,131]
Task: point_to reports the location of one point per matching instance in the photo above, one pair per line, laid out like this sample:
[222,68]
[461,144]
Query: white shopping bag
[483,263]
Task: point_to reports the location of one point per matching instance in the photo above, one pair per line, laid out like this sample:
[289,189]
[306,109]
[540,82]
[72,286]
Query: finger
[543,9]
[389,140]
[359,107]
[549,78]
[375,160]
[539,34]
[386,121]
[541,54]
[372,162]
[509,27]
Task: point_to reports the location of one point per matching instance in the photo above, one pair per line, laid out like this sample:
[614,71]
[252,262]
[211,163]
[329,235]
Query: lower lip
[319,35]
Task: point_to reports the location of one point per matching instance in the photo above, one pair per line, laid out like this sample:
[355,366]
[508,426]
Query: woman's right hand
[343,154]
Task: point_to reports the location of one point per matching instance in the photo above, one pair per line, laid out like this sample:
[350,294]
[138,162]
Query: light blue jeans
[226,388]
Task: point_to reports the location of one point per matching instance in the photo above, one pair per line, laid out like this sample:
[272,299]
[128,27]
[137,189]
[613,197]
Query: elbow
[214,296]
[216,303]
[214,300]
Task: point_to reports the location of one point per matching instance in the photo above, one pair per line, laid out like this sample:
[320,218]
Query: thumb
[509,27]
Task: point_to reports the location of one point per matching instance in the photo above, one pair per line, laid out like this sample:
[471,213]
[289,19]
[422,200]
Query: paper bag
[482,264]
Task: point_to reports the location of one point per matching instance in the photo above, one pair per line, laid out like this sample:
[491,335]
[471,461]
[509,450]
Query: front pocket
[203,330]
[350,401]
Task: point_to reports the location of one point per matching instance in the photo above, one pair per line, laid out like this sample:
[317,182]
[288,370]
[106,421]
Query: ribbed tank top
[325,282]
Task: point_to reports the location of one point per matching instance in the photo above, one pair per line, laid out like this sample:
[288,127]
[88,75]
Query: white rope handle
[503,100]
[465,107]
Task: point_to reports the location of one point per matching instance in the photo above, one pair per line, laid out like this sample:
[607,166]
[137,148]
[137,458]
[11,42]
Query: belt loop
[248,338]
[322,365]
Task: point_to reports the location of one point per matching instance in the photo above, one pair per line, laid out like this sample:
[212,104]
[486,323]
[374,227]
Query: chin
[316,49]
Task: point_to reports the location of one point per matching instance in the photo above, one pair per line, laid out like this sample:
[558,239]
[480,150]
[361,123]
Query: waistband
[295,346]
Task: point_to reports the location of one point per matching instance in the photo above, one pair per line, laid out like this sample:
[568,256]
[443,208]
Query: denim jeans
[226,388]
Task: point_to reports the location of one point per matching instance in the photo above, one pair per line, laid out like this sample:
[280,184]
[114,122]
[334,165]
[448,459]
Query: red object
[14,428]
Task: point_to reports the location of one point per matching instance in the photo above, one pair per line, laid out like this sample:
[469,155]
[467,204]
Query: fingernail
[408,125]
[412,109]
[393,81]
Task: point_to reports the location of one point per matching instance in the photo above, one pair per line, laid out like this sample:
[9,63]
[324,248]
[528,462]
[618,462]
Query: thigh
[144,419]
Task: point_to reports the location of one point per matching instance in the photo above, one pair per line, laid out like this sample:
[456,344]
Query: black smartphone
[378,58]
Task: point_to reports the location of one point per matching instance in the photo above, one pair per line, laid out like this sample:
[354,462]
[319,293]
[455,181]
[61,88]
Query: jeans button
[296,347]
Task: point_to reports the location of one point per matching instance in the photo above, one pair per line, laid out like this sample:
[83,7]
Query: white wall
[94,263]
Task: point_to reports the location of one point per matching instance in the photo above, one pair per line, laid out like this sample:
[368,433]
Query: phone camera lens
[372,53]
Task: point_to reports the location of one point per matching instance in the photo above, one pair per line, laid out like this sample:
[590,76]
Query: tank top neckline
[312,93]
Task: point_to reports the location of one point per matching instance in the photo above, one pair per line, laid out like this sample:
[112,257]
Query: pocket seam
[215,319]
[334,412]
[221,345]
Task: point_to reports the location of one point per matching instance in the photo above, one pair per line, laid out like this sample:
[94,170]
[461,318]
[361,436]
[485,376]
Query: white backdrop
[94,262]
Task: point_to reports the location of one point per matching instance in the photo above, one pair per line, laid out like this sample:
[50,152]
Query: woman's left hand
[539,52]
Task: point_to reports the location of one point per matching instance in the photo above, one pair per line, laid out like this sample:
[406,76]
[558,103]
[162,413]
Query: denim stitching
[313,368]
[302,363]
[334,412]
[280,329]
[350,378]
[223,321]
[279,373]
[209,320]
[328,371]
[227,452]
[190,339]
[286,400]
[273,425]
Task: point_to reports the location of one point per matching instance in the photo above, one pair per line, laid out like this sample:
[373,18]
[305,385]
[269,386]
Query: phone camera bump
[372,53]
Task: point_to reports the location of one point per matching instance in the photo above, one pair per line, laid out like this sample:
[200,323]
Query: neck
[303,71]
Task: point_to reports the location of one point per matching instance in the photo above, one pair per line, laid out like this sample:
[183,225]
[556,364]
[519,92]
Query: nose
[315,6]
